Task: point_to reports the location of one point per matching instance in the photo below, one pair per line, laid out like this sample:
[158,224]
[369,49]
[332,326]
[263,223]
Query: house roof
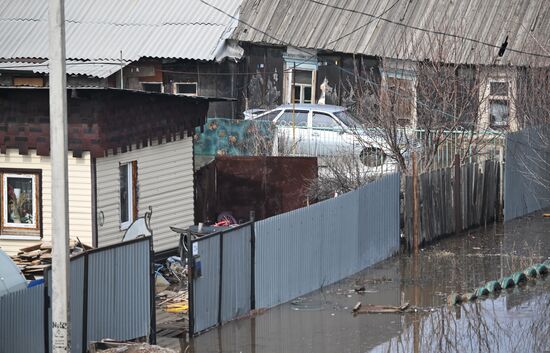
[99,119]
[465,32]
[104,30]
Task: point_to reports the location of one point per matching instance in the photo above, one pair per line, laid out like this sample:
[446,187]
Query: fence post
[220,284]
[456,195]
[416,208]
[153,333]
[190,279]
[85,306]
[252,261]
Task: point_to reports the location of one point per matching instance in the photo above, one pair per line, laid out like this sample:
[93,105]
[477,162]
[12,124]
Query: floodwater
[515,321]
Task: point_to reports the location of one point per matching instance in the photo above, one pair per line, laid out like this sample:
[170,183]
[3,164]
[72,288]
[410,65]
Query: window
[302,86]
[28,81]
[187,88]
[324,121]
[300,118]
[499,110]
[269,116]
[20,204]
[128,194]
[400,95]
[152,87]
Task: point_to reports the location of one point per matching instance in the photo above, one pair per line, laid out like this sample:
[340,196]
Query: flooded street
[517,320]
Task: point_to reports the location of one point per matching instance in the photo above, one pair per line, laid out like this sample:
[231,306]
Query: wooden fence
[451,200]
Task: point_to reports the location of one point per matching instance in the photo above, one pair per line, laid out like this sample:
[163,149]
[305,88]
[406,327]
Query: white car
[325,130]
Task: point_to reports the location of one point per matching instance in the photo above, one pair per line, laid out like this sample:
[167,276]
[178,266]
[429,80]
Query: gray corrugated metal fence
[527,172]
[110,297]
[222,292]
[22,321]
[119,293]
[263,264]
[306,249]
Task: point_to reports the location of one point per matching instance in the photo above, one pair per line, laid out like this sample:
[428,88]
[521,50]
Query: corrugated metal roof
[319,24]
[101,29]
[96,68]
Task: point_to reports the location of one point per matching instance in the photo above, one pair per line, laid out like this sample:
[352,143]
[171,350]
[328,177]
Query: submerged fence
[221,286]
[111,292]
[453,199]
[527,172]
[266,263]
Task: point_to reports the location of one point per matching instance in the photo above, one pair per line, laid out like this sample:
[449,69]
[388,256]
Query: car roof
[320,107]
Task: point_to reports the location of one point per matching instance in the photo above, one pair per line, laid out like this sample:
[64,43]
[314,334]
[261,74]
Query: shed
[128,151]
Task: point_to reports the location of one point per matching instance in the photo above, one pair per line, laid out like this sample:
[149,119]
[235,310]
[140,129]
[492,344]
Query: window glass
[297,94]
[498,88]
[124,193]
[306,94]
[498,110]
[323,121]
[186,88]
[152,87]
[302,76]
[347,119]
[269,116]
[300,118]
[19,192]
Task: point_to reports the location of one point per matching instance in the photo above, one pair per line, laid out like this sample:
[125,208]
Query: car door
[326,135]
[293,132]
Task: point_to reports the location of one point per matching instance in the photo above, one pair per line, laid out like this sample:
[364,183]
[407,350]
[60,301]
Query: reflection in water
[516,321]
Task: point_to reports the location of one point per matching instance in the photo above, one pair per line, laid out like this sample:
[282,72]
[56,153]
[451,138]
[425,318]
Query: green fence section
[229,137]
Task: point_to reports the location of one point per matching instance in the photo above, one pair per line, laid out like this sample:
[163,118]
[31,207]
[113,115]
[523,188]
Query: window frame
[495,98]
[21,231]
[131,176]
[175,88]
[152,83]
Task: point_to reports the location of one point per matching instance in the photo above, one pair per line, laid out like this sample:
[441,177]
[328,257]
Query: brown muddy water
[516,321]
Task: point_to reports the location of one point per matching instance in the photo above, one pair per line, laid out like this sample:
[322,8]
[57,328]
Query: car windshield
[345,117]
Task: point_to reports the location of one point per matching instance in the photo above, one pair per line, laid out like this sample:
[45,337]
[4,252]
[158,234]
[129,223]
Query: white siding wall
[164,182]
[80,196]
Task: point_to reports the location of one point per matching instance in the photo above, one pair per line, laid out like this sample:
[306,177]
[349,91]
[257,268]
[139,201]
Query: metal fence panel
[119,292]
[76,302]
[236,267]
[22,321]
[379,214]
[526,172]
[306,249]
[206,288]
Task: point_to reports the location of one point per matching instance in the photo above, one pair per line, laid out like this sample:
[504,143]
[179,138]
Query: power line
[426,30]
[340,68]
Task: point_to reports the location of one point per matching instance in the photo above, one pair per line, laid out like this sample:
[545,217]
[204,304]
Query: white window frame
[491,97]
[175,88]
[131,187]
[5,224]
[302,87]
[152,83]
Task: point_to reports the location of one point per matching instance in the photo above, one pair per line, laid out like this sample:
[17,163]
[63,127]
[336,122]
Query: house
[312,49]
[266,53]
[128,151]
[168,46]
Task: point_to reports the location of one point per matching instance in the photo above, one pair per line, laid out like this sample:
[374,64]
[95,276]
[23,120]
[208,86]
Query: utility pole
[59,152]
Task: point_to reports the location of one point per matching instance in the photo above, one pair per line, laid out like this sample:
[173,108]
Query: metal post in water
[59,182]
[416,208]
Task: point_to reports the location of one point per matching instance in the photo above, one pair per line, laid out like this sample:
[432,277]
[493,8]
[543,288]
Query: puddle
[518,320]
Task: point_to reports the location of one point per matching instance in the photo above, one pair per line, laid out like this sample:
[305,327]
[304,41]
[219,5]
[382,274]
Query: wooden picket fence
[451,200]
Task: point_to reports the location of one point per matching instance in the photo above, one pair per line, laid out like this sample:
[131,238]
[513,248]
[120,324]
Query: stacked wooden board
[33,259]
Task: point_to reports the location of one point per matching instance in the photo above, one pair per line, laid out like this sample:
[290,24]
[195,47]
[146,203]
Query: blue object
[35,282]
